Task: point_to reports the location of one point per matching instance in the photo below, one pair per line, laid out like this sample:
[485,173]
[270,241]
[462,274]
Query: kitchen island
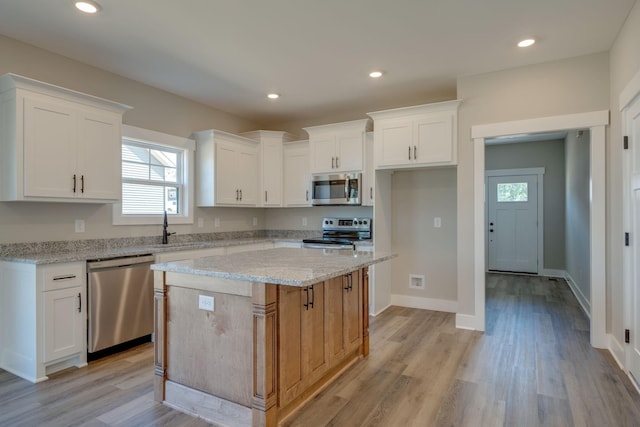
[247,338]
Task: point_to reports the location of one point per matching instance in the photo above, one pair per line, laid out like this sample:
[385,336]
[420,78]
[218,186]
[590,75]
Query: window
[513,192]
[156,177]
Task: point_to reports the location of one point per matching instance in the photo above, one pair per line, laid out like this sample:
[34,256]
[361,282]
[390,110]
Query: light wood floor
[533,367]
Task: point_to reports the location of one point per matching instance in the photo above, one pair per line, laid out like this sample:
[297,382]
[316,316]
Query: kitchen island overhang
[285,323]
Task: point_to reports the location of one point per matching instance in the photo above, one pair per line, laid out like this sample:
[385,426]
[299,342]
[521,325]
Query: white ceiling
[230,53]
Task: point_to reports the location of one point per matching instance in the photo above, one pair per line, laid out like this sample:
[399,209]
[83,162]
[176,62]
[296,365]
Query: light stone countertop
[282,266]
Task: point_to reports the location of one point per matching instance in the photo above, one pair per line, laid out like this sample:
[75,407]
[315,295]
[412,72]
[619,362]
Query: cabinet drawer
[62,276]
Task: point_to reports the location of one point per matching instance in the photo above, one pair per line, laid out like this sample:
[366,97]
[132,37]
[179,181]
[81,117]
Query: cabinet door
[50,156]
[352,311]
[99,148]
[349,152]
[323,154]
[63,332]
[271,174]
[297,178]
[434,139]
[335,289]
[226,183]
[315,358]
[246,175]
[393,141]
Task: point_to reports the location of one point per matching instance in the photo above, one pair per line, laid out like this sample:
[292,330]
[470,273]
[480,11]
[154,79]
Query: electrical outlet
[79,225]
[255,221]
[206,303]
[200,222]
[416,281]
[304,221]
[437,222]
[216,222]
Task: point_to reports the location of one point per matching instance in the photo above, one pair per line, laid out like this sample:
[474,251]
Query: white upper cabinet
[227,169]
[337,147]
[297,178]
[270,182]
[422,135]
[369,173]
[57,144]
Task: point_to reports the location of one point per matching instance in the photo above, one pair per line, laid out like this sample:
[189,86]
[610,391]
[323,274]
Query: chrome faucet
[165,232]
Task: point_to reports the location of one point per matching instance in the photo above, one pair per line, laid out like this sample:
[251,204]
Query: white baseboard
[374,314]
[550,272]
[424,303]
[467,321]
[582,299]
[617,350]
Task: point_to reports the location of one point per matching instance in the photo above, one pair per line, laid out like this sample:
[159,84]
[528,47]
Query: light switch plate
[79,225]
[206,303]
[216,222]
[437,222]
[200,222]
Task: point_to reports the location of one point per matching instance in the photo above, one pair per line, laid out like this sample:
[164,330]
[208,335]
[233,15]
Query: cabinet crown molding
[12,81]
[416,110]
[363,125]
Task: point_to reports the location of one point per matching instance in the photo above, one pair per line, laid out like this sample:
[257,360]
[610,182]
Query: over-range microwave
[336,189]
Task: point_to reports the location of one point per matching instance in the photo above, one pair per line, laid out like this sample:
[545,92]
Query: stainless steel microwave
[336,189]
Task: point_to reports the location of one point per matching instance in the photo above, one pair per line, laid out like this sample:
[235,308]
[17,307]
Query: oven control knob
[326,222]
[365,222]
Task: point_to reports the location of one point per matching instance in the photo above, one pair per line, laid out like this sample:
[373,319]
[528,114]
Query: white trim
[542,124]
[551,272]
[596,121]
[539,174]
[577,292]
[465,321]
[380,311]
[617,350]
[188,146]
[630,91]
[433,304]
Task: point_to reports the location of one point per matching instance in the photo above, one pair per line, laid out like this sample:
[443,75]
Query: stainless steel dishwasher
[120,300]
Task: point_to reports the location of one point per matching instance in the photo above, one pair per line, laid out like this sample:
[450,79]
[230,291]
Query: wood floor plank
[534,366]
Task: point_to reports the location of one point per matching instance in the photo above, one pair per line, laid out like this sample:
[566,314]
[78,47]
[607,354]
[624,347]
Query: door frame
[595,121]
[539,173]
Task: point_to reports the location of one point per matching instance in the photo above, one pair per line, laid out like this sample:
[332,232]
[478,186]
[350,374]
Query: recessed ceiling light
[375,74]
[526,42]
[87,6]
[273,96]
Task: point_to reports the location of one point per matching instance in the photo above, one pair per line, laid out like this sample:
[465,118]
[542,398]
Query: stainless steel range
[341,233]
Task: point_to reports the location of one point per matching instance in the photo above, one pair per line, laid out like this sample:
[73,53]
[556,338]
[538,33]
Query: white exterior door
[633,115]
[513,223]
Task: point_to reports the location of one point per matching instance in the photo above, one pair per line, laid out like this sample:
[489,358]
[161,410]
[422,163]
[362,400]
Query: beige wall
[624,64]
[550,155]
[417,197]
[567,86]
[153,109]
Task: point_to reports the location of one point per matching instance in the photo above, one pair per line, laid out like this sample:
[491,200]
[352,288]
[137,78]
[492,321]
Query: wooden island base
[265,349]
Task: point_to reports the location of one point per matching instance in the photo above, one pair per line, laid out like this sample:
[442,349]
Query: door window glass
[513,192]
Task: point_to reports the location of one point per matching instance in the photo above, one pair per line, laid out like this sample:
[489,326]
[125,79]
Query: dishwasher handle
[120,262]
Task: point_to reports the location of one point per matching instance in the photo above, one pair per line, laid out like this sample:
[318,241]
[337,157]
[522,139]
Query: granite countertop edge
[185,268]
[85,255]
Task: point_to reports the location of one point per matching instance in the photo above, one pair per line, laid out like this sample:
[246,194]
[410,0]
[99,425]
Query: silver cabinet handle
[79,302]
[307,196]
[415,155]
[82,184]
[265,196]
[409,152]
[333,163]
[337,162]
[237,194]
[371,192]
[65,277]
[240,195]
[74,182]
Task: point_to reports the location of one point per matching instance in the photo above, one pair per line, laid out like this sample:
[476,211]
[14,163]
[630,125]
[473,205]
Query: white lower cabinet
[63,330]
[42,318]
